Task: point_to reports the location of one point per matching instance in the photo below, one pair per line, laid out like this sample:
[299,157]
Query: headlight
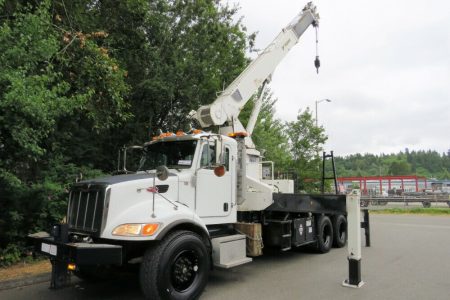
[136,229]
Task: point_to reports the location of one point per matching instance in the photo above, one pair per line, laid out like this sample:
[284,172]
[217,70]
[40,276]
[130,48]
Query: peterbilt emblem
[152,189]
[158,189]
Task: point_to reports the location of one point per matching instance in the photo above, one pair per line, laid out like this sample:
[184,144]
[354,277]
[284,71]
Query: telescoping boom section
[227,106]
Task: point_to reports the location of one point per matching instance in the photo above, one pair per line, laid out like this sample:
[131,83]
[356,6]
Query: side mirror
[219,171]
[162,173]
[219,152]
[124,151]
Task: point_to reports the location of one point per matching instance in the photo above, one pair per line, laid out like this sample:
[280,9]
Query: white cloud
[385,65]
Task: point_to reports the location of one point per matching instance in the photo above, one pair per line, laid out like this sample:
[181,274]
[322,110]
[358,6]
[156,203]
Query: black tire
[426,204]
[324,234]
[177,268]
[340,231]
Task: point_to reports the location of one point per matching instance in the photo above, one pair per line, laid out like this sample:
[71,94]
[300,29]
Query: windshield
[176,155]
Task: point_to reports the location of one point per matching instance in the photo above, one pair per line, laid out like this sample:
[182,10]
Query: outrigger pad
[60,274]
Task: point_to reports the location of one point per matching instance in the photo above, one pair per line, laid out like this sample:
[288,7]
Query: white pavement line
[416,225]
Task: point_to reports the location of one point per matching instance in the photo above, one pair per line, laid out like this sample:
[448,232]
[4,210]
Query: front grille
[85,209]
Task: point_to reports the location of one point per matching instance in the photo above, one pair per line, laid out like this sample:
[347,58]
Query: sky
[385,68]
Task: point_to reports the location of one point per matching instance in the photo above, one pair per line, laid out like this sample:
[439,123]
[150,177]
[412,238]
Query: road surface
[409,259]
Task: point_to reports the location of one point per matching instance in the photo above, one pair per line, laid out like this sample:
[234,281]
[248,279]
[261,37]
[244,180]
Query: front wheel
[177,268]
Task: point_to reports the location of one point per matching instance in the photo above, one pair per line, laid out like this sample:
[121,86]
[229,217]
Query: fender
[185,224]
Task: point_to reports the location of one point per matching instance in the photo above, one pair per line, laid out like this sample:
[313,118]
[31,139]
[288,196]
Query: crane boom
[228,105]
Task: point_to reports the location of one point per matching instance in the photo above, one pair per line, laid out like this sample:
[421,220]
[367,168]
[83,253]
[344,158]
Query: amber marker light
[219,171]
[238,134]
[71,267]
[149,229]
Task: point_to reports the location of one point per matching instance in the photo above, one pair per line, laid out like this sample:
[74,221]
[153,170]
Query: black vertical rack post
[325,156]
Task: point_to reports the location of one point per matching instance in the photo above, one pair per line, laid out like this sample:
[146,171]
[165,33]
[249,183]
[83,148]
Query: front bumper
[77,253]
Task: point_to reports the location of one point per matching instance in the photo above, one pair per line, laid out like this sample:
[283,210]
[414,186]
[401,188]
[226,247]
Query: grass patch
[25,269]
[415,210]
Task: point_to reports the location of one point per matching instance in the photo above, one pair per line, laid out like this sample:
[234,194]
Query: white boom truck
[197,201]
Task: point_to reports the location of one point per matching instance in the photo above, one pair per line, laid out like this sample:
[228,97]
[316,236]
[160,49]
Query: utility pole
[317,102]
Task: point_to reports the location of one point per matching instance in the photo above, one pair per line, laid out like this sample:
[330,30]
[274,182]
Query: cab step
[229,251]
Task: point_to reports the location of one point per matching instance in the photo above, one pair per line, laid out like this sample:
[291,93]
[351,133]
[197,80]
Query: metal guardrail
[426,200]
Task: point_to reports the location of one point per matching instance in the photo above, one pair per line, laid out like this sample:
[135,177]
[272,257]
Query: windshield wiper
[174,167]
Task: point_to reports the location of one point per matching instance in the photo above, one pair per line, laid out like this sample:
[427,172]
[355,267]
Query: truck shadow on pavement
[120,286]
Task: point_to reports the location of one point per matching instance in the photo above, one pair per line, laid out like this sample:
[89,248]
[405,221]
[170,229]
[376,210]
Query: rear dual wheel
[339,230]
[324,234]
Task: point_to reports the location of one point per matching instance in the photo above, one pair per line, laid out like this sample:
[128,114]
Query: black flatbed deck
[331,204]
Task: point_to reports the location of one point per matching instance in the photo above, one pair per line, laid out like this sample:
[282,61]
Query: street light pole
[317,102]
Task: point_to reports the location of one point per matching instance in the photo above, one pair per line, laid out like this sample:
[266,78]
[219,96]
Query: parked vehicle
[197,200]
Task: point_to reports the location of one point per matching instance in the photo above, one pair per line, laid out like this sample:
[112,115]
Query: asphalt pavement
[408,260]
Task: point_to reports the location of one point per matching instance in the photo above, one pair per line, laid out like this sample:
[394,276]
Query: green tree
[306,144]
[178,55]
[48,76]
[269,134]
[429,163]
[78,79]
[400,168]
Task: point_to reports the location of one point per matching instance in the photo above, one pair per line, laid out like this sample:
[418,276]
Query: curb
[20,282]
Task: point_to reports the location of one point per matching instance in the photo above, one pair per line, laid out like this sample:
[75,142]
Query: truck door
[213,193]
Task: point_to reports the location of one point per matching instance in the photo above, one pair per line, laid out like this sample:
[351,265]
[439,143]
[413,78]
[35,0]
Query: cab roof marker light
[197,131]
[238,134]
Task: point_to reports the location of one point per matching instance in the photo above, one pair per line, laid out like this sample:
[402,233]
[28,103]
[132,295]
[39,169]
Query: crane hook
[317,64]
[317,60]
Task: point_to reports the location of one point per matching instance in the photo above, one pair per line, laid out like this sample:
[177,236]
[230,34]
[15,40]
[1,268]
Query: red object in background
[364,179]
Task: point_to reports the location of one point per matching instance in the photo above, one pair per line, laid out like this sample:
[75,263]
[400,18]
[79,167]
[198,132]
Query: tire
[426,204]
[339,231]
[324,234]
[177,268]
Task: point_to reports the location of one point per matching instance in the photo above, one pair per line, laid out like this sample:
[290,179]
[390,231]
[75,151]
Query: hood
[118,179]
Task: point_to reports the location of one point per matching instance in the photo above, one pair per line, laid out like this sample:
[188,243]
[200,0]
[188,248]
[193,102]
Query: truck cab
[200,188]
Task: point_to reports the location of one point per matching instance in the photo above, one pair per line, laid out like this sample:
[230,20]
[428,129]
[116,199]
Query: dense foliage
[429,163]
[79,79]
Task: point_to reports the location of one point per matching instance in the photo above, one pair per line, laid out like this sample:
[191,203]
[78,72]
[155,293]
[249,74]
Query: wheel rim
[342,231]
[184,270]
[326,235]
